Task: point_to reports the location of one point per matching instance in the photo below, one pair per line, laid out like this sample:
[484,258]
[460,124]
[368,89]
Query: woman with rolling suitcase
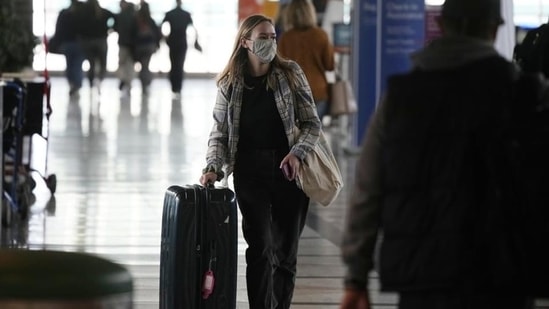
[262,100]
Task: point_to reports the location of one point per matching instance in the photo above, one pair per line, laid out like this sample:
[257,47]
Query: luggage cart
[26,129]
[14,198]
[36,130]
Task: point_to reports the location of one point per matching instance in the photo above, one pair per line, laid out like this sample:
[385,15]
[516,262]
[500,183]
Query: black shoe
[121,85]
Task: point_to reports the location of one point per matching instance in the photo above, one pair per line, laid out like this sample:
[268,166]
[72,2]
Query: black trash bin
[62,280]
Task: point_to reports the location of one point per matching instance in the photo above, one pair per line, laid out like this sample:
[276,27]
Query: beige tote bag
[342,99]
[319,176]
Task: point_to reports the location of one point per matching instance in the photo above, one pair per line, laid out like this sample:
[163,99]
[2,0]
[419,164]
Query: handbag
[342,99]
[197,46]
[319,175]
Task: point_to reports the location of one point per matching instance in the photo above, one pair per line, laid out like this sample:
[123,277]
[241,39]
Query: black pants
[177,60]
[464,300]
[274,211]
[95,51]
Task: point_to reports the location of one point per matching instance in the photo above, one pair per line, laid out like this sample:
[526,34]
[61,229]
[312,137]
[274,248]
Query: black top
[443,140]
[179,20]
[260,123]
[66,27]
[124,24]
[94,25]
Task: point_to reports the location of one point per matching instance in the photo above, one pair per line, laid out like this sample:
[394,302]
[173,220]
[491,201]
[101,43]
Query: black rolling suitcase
[198,258]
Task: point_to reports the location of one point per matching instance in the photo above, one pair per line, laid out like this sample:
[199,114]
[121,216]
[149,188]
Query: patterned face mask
[264,49]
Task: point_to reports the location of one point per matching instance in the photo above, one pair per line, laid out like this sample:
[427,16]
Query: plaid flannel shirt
[296,108]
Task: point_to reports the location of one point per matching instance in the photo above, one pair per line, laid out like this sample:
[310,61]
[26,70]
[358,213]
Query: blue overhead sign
[403,32]
[387,32]
[364,62]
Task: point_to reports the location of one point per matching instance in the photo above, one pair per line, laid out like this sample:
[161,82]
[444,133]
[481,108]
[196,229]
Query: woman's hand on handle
[208,178]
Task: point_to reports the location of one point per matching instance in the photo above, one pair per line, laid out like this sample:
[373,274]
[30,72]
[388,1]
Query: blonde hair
[300,14]
[238,62]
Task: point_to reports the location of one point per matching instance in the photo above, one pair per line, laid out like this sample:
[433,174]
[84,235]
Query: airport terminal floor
[115,153]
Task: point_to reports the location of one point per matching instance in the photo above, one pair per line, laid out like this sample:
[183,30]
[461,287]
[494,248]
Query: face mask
[265,50]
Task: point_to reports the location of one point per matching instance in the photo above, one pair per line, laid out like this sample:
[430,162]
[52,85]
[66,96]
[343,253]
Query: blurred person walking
[67,37]
[147,41]
[95,23]
[124,25]
[179,20]
[306,43]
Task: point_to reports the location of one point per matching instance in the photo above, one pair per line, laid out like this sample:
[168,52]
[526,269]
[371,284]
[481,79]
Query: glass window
[531,13]
[215,21]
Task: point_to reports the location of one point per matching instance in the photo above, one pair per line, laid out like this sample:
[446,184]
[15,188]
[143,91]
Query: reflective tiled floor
[114,153]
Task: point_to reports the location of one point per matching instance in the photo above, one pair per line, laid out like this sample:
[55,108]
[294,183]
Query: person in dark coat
[147,40]
[95,24]
[68,40]
[179,20]
[124,25]
[422,179]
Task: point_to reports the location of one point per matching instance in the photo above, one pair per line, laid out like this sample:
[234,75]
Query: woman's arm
[306,116]
[217,152]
